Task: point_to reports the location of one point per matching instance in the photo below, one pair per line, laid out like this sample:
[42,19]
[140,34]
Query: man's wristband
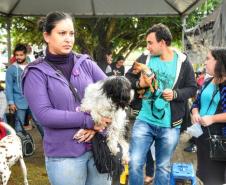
[148,74]
[174,94]
[138,84]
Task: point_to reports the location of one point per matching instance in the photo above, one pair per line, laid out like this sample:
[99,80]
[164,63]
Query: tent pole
[8,22]
[183,20]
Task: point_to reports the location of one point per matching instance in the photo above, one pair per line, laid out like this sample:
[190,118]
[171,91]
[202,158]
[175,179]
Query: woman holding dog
[209,110]
[60,79]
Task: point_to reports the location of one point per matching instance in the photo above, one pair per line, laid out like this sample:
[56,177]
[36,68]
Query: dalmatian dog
[10,153]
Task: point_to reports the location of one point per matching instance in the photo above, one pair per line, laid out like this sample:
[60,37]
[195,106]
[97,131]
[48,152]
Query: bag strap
[77,64]
[156,116]
[209,132]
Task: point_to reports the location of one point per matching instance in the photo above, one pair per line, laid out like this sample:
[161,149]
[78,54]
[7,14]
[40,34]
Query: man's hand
[196,118]
[168,94]
[12,108]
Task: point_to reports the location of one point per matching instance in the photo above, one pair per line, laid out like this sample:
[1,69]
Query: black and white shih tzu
[109,98]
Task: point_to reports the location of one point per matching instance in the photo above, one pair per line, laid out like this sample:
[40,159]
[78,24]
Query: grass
[35,166]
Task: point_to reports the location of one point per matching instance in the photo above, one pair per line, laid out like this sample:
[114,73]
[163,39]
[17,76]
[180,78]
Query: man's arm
[9,86]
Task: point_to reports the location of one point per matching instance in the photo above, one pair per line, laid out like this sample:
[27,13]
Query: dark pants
[210,172]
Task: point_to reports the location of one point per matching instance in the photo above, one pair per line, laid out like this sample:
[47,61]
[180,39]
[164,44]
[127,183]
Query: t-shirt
[210,98]
[155,110]
[117,71]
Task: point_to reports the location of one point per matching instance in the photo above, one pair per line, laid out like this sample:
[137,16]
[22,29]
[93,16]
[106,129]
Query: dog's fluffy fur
[109,98]
[10,153]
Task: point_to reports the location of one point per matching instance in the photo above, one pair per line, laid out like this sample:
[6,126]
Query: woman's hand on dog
[100,127]
[84,135]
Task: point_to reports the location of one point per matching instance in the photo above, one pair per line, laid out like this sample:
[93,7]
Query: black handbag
[104,160]
[217,147]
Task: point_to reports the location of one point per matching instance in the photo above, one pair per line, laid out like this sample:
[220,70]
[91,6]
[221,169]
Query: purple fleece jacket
[54,105]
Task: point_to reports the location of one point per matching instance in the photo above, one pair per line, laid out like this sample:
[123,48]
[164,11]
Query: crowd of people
[155,117]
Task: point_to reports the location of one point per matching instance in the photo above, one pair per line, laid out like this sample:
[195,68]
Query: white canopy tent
[97,8]
[89,8]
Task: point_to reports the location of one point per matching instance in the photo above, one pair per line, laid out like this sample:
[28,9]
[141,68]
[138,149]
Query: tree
[122,35]
[207,8]
[97,35]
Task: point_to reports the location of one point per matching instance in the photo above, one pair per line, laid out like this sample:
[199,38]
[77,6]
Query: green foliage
[96,35]
[207,8]
[24,30]
[122,35]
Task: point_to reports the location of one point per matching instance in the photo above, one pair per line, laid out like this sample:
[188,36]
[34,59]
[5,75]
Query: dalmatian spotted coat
[10,153]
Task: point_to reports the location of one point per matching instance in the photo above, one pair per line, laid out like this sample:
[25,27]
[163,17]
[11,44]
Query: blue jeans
[75,171]
[19,119]
[143,135]
[20,116]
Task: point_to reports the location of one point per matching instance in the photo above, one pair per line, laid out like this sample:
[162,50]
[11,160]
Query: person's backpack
[28,146]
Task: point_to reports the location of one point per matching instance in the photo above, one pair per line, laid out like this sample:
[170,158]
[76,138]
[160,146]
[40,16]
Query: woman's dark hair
[20,47]
[219,54]
[48,23]
[162,32]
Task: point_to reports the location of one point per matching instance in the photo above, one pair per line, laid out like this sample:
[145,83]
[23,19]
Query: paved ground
[36,170]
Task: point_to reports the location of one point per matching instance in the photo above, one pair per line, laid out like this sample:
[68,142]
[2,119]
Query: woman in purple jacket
[47,89]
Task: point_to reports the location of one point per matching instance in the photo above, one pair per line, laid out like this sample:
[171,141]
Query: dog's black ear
[118,89]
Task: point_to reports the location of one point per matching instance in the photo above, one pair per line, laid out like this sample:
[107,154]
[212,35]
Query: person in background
[209,110]
[29,57]
[15,98]
[108,70]
[135,107]
[3,103]
[118,68]
[200,78]
[163,110]
[61,78]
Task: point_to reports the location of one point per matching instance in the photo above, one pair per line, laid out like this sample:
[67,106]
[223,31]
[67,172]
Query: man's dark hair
[120,57]
[162,32]
[20,47]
